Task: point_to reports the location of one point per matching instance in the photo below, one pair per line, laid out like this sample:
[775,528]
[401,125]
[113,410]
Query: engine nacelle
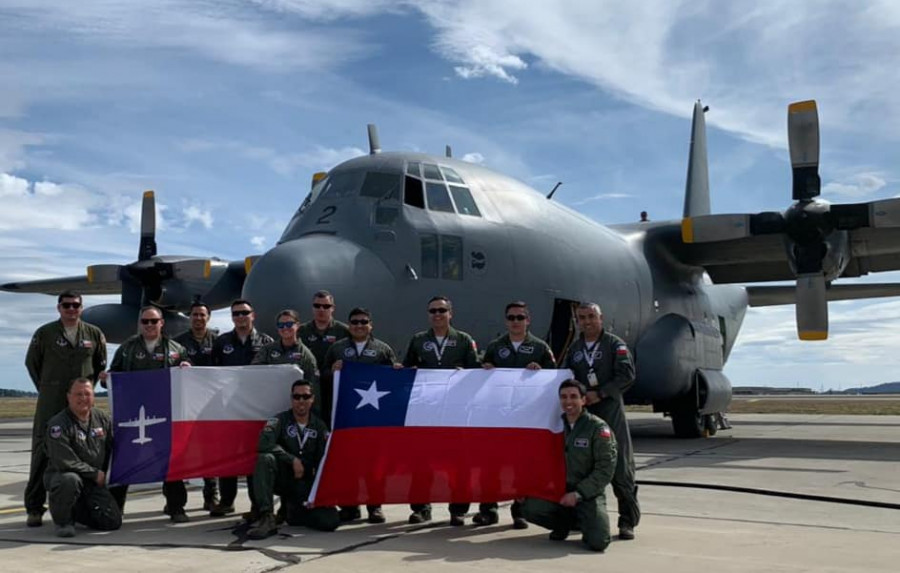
[119,321]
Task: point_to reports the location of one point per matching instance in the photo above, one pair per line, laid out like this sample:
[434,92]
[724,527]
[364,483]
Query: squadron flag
[416,436]
[180,423]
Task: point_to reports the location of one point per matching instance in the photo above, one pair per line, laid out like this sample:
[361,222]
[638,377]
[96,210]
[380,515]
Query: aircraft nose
[288,275]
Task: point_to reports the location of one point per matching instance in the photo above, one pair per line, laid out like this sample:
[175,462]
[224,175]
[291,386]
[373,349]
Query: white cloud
[225,31]
[258,242]
[474,157]
[44,205]
[13,145]
[284,163]
[194,214]
[858,186]
[601,197]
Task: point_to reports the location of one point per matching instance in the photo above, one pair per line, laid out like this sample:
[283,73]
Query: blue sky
[226,108]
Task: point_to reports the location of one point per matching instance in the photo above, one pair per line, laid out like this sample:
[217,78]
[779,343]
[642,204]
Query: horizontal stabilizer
[778,295]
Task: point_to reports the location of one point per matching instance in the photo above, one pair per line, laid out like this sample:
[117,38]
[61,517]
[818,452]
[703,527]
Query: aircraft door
[562,330]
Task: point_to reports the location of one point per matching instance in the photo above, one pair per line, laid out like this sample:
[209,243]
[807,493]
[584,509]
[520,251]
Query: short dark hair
[572,383]
[517,304]
[151,307]
[290,312]
[68,294]
[238,301]
[79,380]
[199,304]
[357,310]
[323,294]
[443,298]
[302,382]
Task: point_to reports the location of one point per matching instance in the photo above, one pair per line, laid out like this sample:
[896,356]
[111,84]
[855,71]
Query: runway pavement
[787,497]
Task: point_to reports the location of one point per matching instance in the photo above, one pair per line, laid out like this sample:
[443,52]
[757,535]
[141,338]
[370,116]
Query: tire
[688,424]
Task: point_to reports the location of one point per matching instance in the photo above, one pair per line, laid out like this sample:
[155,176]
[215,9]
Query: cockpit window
[431,171]
[343,184]
[381,185]
[451,175]
[465,204]
[412,168]
[437,197]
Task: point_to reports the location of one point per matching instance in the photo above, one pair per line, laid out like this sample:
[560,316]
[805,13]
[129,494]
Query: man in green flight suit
[318,335]
[288,349]
[518,348]
[60,351]
[361,346]
[601,361]
[290,448]
[441,346]
[198,341]
[79,445]
[590,464]
[150,349]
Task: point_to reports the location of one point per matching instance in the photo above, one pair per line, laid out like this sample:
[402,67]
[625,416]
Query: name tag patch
[581,442]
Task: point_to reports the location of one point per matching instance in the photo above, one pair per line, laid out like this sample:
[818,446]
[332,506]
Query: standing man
[318,335]
[288,349]
[361,346]
[590,463]
[518,348]
[60,351]
[198,342]
[237,347]
[601,361]
[150,349]
[441,346]
[79,445]
[290,448]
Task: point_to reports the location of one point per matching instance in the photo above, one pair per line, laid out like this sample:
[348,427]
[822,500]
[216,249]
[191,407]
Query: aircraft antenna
[552,191]
[374,144]
[447,151]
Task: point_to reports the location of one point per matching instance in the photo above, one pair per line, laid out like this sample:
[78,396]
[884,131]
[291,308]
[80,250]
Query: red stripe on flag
[213,448]
[426,464]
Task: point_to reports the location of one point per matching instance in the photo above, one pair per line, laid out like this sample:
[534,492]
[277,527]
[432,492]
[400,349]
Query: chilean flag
[417,436]
[180,423]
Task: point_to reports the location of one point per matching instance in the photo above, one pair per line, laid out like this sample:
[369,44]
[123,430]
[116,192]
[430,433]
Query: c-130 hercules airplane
[389,230]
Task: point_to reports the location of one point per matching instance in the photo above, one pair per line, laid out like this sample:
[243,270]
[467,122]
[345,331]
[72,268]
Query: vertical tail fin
[696,193]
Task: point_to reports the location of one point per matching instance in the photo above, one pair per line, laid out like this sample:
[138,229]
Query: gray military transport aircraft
[389,230]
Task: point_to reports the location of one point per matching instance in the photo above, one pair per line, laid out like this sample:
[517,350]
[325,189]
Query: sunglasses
[241,312]
[70,305]
[359,321]
[439,310]
[516,317]
[150,320]
[286,324]
[320,306]
[302,396]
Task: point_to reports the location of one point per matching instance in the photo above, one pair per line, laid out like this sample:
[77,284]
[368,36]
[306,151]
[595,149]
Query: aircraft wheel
[711,427]
[688,423]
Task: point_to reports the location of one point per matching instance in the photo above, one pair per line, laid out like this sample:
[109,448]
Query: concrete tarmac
[791,493]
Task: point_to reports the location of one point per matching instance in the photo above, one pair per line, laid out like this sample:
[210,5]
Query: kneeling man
[590,465]
[79,444]
[290,448]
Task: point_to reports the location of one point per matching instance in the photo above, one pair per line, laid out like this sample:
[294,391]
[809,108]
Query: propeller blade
[147,248]
[97,274]
[812,306]
[803,141]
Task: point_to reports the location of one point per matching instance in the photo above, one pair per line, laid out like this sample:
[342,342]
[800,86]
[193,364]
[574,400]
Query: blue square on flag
[370,395]
[142,426]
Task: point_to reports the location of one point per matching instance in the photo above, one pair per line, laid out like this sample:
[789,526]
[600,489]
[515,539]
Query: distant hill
[886,388]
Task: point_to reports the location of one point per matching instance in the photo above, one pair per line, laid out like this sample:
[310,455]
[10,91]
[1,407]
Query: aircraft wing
[777,295]
[762,258]
[130,424]
[152,421]
[57,285]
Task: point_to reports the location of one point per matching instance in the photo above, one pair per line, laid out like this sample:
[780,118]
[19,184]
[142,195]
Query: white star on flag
[370,396]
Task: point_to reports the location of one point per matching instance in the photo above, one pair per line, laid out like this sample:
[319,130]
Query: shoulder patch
[604,432]
[55,432]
